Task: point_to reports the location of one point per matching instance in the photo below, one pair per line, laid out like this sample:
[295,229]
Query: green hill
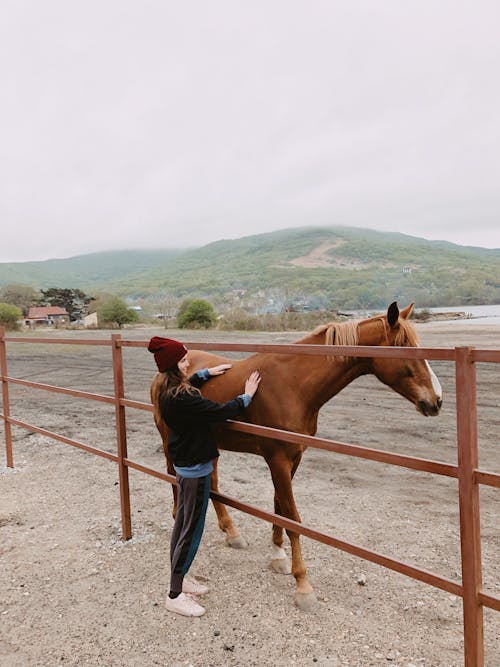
[337,267]
[87,272]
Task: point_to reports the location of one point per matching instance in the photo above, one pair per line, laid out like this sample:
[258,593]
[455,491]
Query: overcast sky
[162,123]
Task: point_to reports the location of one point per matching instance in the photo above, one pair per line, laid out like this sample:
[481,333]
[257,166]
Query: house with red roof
[46,316]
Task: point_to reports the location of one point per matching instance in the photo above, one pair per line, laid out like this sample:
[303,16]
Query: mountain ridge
[340,265]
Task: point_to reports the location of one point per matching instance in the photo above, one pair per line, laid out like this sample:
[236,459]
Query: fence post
[468,488]
[121,436]
[5,400]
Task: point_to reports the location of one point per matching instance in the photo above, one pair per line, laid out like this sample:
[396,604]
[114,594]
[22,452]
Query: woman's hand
[252,384]
[219,370]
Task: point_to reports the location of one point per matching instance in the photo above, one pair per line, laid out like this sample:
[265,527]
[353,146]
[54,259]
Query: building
[48,316]
[90,321]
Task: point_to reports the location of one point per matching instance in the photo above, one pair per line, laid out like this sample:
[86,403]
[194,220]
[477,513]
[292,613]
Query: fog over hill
[334,267]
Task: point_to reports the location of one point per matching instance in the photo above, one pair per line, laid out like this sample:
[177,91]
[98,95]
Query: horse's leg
[281,472]
[233,537]
[280,562]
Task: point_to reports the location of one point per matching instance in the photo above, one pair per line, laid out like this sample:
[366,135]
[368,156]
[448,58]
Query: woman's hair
[174,383]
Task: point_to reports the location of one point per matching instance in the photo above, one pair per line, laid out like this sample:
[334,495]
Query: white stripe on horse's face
[436,385]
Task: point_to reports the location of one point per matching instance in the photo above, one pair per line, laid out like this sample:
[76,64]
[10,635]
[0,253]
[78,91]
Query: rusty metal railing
[467,472]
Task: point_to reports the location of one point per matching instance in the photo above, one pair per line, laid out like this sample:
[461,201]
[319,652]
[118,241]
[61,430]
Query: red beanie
[167,352]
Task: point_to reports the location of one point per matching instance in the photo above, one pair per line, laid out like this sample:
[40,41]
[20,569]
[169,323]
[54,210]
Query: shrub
[196,314]
[116,311]
[240,320]
[10,316]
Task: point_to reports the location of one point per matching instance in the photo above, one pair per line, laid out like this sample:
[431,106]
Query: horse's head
[412,378]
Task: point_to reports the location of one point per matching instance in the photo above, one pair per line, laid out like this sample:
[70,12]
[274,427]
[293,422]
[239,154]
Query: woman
[192,448]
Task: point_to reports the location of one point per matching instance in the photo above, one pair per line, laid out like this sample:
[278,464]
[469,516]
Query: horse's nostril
[439,402]
[423,408]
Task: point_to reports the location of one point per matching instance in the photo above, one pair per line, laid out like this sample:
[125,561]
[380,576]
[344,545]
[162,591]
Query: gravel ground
[72,593]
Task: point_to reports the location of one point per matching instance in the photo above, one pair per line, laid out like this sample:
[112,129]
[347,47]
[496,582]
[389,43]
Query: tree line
[16,301]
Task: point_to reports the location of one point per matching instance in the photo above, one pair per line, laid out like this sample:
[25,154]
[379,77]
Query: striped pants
[192,503]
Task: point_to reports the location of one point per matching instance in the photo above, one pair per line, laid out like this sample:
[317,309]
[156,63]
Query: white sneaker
[184,605]
[193,587]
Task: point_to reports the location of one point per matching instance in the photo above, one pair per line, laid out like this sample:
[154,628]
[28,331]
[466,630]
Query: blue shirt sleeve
[246,398]
[198,378]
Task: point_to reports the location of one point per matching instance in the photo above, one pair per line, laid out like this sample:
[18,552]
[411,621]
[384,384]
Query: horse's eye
[408,372]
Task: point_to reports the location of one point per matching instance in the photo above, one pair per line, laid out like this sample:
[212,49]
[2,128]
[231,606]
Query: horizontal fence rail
[467,472]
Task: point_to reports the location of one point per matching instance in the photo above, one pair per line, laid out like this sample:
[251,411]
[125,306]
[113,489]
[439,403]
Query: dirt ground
[72,593]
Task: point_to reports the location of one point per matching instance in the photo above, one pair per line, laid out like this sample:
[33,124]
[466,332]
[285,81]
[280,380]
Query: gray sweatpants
[192,503]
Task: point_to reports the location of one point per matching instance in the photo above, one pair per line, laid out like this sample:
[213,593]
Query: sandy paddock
[73,593]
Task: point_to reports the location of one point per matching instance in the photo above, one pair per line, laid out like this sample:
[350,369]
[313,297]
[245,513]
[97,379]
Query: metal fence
[467,472]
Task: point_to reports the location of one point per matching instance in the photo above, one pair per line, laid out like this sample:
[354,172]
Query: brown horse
[292,391]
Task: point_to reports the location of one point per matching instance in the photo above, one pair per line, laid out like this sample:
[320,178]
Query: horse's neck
[322,378]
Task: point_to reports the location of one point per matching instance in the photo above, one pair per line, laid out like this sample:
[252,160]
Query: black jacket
[189,418]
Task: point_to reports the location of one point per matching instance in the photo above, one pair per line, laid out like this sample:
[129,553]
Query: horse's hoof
[236,542]
[306,601]
[281,565]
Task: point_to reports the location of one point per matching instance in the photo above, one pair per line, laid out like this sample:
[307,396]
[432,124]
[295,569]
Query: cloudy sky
[159,123]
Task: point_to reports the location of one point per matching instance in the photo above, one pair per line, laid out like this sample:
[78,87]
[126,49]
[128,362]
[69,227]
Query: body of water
[475,314]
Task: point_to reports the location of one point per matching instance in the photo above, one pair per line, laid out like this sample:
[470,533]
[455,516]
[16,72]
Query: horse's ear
[406,312]
[393,314]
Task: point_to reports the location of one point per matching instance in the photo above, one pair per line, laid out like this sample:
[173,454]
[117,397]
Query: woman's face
[183,365]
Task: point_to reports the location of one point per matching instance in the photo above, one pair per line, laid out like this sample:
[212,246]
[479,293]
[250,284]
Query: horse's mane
[406,335]
[346,333]
[338,333]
